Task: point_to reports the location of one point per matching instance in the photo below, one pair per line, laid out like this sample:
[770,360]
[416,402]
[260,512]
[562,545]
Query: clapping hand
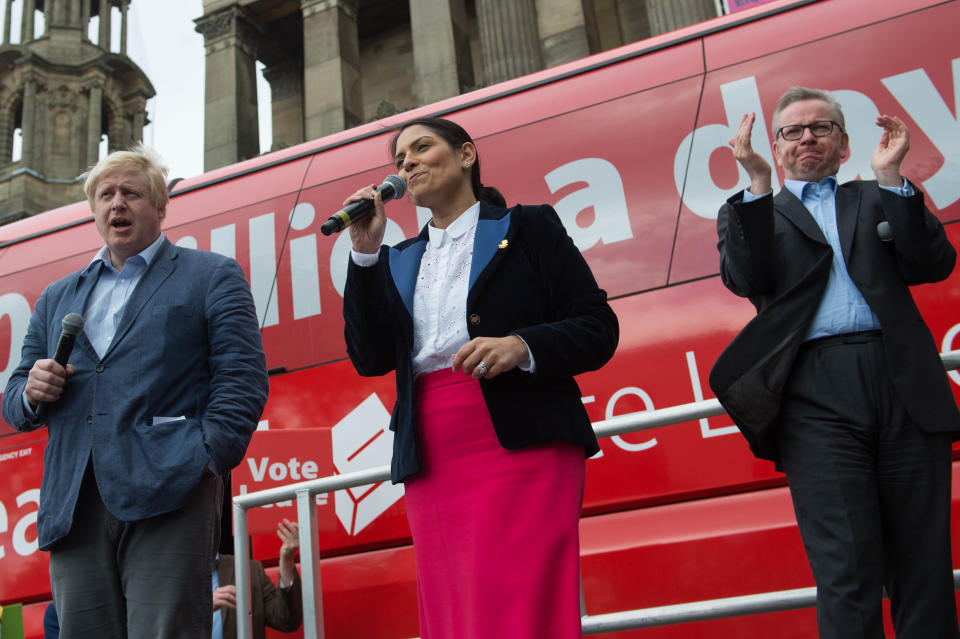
[893,146]
[757,168]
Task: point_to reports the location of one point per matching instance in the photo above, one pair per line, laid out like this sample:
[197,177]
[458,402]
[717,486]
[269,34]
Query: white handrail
[305,491]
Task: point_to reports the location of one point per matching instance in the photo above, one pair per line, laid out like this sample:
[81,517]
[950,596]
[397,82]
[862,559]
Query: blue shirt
[842,308]
[110,294]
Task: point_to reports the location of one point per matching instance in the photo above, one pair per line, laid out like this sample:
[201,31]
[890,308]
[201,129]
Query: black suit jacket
[279,608]
[526,277]
[772,251]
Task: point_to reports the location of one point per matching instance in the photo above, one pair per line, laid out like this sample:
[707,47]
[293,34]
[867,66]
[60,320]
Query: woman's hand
[500,354]
[367,234]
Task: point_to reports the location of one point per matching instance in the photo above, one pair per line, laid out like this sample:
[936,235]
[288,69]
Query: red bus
[630,147]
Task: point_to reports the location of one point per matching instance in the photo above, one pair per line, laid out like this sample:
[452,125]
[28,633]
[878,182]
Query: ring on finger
[482,368]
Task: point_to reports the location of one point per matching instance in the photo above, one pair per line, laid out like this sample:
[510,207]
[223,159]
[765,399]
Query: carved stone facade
[332,64]
[60,93]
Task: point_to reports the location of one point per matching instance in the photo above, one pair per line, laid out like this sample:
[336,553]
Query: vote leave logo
[359,441]
[363,440]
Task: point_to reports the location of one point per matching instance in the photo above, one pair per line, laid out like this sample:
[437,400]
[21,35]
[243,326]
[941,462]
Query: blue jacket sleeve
[238,372]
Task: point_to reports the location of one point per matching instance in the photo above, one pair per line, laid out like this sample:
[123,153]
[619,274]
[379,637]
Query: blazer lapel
[404,266]
[85,283]
[793,209]
[848,212]
[489,240]
[157,272]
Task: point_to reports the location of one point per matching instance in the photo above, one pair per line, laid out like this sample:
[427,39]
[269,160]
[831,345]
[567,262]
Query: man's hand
[893,146]
[757,168]
[45,381]
[289,534]
[225,597]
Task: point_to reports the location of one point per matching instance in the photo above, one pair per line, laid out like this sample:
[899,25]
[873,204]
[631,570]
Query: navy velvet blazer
[188,345]
[528,278]
[772,251]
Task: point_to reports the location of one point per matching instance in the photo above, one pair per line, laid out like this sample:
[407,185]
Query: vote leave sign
[20,562]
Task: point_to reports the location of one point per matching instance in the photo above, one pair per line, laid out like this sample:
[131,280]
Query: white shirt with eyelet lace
[440,294]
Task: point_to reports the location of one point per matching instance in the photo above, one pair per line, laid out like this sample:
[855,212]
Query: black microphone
[393,188]
[884,231]
[72,324]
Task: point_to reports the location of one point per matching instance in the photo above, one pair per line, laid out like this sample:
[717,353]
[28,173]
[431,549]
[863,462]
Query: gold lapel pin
[503,244]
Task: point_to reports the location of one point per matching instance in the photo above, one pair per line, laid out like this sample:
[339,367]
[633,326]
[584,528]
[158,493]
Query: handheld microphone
[393,188]
[883,230]
[72,324]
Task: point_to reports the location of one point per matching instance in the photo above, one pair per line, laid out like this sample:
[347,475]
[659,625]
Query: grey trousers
[871,491]
[137,580]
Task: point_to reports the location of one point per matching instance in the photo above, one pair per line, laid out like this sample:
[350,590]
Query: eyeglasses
[820,129]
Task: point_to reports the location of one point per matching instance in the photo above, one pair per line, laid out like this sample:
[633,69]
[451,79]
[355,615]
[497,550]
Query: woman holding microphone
[485,316]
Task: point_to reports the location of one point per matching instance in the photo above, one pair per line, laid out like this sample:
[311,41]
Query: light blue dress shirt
[842,308]
[110,294]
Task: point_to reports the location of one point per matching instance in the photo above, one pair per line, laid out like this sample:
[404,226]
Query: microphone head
[72,323]
[397,187]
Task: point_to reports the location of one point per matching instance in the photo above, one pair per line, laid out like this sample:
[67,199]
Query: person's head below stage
[128,196]
[439,162]
[809,134]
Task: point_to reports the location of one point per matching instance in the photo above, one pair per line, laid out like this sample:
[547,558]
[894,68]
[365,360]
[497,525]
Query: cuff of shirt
[27,411]
[906,189]
[750,197]
[364,259]
[530,365]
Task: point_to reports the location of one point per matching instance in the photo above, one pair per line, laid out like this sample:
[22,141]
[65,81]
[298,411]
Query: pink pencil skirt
[495,531]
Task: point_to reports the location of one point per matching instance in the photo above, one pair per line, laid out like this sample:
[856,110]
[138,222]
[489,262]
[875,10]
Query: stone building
[332,64]
[61,92]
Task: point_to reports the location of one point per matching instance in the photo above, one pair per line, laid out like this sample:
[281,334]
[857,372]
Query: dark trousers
[147,579]
[871,492]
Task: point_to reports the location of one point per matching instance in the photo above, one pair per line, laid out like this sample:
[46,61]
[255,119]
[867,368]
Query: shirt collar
[800,188]
[146,255]
[458,228]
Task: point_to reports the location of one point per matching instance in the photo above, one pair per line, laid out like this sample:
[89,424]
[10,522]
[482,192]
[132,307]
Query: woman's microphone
[393,188]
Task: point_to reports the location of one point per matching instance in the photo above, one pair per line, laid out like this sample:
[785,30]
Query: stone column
[442,65]
[84,20]
[94,118]
[123,27]
[231,130]
[331,67]
[286,92]
[104,39]
[139,121]
[6,21]
[509,39]
[51,14]
[28,123]
[667,15]
[563,31]
[26,21]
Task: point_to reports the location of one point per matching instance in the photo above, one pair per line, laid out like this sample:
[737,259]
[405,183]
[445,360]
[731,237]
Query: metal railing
[304,493]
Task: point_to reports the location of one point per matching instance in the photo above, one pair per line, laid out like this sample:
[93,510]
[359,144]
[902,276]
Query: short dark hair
[456,136]
[799,94]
